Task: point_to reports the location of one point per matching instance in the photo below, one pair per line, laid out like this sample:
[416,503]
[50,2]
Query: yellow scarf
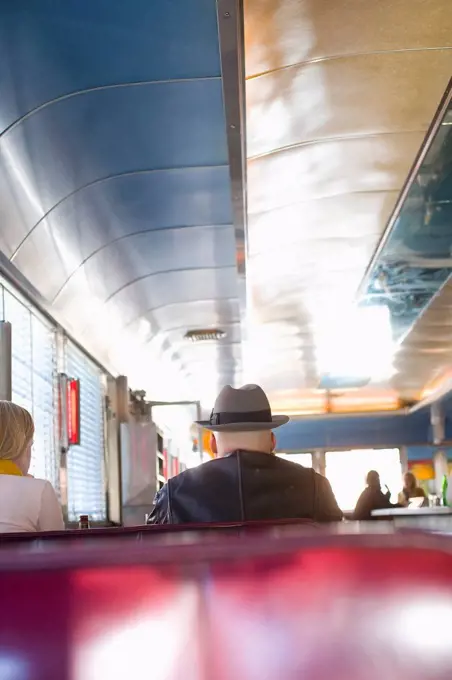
[8,467]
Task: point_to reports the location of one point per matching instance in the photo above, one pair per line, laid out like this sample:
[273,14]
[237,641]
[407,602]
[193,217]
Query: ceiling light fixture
[205,334]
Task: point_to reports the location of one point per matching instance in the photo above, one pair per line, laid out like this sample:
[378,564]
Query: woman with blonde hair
[411,490]
[26,504]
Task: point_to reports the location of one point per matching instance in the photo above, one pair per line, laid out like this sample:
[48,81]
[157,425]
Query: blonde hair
[16,430]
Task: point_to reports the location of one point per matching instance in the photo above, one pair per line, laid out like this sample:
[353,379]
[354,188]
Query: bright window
[33,381]
[361,344]
[85,461]
[304,459]
[347,470]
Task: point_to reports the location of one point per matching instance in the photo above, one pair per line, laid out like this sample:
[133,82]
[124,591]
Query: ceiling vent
[205,334]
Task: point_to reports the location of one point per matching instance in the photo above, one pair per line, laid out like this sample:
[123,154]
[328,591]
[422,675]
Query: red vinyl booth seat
[266,608]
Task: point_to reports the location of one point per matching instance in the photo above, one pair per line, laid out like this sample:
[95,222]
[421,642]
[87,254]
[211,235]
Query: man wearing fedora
[246,481]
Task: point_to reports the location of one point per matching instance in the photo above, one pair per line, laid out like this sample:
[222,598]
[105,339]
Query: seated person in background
[411,490]
[246,481]
[26,504]
[372,498]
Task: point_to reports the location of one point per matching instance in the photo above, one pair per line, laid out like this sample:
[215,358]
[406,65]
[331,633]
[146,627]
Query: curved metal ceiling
[339,98]
[122,187]
[115,181]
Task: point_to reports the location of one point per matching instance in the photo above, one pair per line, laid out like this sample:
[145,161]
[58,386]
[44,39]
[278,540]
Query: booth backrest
[144,532]
[265,608]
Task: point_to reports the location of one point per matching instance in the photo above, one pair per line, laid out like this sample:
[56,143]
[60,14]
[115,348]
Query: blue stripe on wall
[352,433]
[413,431]
[426,452]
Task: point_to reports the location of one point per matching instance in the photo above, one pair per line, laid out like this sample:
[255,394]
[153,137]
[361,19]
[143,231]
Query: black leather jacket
[245,486]
[372,498]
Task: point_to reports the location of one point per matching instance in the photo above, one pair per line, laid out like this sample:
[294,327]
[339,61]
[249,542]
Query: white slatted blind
[85,462]
[20,318]
[34,381]
[45,461]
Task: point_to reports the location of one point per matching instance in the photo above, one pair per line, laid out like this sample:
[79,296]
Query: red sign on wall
[165,464]
[176,468]
[73,411]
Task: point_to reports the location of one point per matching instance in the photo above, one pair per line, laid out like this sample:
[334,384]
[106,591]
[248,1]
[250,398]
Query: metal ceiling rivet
[227,15]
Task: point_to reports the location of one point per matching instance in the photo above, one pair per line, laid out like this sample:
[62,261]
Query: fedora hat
[244,410]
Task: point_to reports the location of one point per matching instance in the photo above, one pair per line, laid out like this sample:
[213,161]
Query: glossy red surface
[313,607]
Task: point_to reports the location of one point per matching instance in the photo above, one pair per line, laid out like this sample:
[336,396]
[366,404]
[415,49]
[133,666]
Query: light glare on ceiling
[356,343]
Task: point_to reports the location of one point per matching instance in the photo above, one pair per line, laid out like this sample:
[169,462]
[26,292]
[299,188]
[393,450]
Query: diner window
[304,459]
[347,470]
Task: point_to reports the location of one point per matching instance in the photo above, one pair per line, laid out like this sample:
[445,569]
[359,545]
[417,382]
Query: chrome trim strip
[99,88]
[109,178]
[162,272]
[230,15]
[346,55]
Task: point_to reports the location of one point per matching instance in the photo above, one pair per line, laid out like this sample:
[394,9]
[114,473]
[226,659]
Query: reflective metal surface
[123,191]
[115,182]
[340,96]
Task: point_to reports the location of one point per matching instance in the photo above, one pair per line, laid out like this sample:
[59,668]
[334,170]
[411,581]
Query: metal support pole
[438,423]
[5,361]
[200,437]
[318,461]
[441,468]
[404,459]
[122,399]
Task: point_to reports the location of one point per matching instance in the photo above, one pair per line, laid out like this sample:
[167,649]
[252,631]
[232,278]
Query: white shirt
[28,504]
